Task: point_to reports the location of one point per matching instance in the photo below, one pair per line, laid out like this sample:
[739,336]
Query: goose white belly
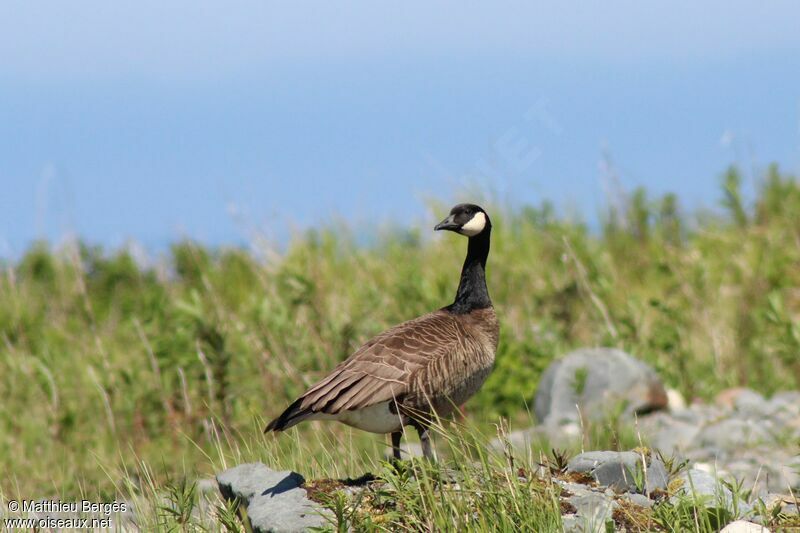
[376,418]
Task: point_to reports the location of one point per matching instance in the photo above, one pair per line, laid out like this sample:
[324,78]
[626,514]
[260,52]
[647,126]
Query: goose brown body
[419,369]
[430,364]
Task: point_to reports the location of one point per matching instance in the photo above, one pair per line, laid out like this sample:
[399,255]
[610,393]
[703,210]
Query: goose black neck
[472,292]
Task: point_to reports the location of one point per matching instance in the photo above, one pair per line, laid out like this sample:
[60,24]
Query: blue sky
[153,121]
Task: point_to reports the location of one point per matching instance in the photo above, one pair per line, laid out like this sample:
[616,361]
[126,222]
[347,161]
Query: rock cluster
[593,488]
[742,435]
[622,471]
[740,451]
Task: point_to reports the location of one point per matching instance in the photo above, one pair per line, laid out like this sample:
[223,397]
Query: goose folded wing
[389,367]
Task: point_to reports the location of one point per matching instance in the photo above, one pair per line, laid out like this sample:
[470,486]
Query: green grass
[117,378]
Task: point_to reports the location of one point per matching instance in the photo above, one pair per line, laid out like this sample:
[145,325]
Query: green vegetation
[116,378]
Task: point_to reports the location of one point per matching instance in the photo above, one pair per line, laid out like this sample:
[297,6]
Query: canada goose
[424,366]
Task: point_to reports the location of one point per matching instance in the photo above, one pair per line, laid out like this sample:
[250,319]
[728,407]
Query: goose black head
[466,219]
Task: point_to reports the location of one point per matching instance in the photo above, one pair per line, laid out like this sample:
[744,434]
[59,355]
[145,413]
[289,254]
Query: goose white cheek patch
[475,225]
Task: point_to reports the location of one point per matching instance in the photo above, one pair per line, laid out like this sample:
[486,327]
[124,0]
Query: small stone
[701,482]
[638,499]
[574,489]
[790,509]
[743,526]
[732,435]
[588,461]
[703,454]
[789,396]
[728,398]
[751,403]
[703,486]
[593,511]
[275,501]
[773,500]
[619,470]
[657,475]
[785,502]
[786,400]
[571,524]
[618,474]
[777,475]
[669,433]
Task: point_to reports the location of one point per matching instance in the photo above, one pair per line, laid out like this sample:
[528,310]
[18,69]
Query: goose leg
[396,436]
[425,441]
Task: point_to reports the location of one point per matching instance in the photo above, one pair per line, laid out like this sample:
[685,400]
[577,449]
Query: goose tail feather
[293,415]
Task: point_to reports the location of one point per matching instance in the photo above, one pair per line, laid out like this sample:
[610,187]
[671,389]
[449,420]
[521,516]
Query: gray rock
[694,414]
[788,424]
[593,511]
[284,511]
[742,526]
[705,488]
[790,509]
[571,524]
[751,403]
[764,470]
[657,475]
[773,500]
[620,470]
[784,410]
[782,477]
[701,414]
[704,454]
[586,462]
[638,499]
[789,400]
[674,436]
[669,433]
[598,382]
[573,489]
[701,483]
[786,503]
[619,474]
[726,398]
[275,502]
[748,472]
[248,480]
[733,434]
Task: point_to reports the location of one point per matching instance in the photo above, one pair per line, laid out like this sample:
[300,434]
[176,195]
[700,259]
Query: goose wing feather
[391,366]
[413,363]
